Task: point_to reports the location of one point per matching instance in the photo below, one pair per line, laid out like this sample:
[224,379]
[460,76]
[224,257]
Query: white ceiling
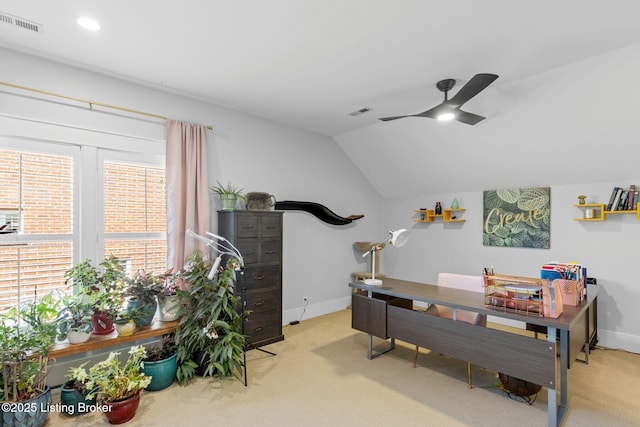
[310,63]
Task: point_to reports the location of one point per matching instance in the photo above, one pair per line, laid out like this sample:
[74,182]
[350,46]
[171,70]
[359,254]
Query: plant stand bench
[96,342]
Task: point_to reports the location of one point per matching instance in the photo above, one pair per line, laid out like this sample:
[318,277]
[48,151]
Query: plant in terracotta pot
[228,194]
[118,384]
[208,337]
[161,364]
[142,290]
[24,365]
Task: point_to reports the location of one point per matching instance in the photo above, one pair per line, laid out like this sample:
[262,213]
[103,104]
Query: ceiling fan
[450,108]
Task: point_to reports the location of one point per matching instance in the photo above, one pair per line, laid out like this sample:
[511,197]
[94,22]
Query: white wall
[572,129]
[257,154]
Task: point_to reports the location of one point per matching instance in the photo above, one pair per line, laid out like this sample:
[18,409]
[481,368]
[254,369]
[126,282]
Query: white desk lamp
[224,248]
[396,238]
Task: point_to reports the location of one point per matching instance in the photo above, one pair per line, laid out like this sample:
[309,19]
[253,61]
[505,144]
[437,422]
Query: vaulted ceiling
[310,63]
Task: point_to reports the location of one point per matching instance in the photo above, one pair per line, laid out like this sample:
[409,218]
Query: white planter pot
[168,308]
[78,337]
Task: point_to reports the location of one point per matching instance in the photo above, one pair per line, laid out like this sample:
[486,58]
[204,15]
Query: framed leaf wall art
[517,217]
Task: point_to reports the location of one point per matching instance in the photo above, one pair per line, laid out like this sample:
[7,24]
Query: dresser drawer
[247,226]
[250,250]
[262,277]
[260,326]
[271,226]
[270,250]
[263,301]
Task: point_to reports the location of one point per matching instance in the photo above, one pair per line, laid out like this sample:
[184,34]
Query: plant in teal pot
[142,290]
[161,364]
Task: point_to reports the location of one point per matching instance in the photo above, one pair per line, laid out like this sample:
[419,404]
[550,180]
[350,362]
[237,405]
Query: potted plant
[104,287]
[209,333]
[229,194]
[73,393]
[124,322]
[142,290]
[24,366]
[75,319]
[168,301]
[118,385]
[161,364]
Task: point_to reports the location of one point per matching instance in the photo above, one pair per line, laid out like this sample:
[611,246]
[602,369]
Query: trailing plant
[112,379]
[210,326]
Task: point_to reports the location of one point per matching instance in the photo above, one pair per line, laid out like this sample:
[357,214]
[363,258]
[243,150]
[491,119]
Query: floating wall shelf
[599,212]
[447,215]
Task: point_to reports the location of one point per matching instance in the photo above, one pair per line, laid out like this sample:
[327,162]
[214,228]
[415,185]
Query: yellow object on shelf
[447,215]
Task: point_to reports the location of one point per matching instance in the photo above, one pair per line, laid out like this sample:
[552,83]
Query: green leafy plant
[210,326]
[74,316]
[104,287]
[227,190]
[112,379]
[24,357]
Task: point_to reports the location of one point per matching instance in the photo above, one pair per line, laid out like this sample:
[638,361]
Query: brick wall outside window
[38,189]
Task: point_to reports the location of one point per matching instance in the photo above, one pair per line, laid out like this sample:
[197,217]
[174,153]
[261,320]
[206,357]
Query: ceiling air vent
[360,111]
[16,21]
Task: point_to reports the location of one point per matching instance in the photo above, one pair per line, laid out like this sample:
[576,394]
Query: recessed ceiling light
[89,23]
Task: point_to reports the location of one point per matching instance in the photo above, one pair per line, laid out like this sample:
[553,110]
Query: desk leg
[370,354]
[557,411]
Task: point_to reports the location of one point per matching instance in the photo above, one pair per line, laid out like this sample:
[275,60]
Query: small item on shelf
[438,209]
[454,204]
[581,199]
[423,214]
[589,213]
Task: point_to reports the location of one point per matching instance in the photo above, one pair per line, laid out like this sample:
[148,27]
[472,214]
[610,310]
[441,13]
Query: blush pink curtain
[187,190]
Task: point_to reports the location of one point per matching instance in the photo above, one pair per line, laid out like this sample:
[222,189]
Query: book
[616,200]
[622,203]
[612,197]
[631,205]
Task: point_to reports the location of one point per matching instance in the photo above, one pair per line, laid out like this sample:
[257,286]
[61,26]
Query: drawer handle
[258,277]
[258,304]
[249,252]
[258,329]
[271,252]
[271,227]
[248,227]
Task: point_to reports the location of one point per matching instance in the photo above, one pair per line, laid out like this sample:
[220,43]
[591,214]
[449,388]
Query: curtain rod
[91,103]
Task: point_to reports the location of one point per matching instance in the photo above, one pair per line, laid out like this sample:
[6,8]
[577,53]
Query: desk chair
[458,281]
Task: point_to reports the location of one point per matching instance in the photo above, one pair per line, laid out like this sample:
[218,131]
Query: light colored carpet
[321,377]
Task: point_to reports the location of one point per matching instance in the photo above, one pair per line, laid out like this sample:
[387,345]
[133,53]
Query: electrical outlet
[305,300]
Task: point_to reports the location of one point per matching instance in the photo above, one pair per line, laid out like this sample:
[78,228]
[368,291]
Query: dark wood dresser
[258,237]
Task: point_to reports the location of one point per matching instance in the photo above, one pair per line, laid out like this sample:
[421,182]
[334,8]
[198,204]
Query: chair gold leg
[469,374]
[415,357]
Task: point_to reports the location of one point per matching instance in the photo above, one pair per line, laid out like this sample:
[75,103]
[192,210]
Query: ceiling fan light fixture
[89,23]
[445,117]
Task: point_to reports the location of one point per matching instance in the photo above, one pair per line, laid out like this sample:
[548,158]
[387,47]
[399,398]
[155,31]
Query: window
[134,203]
[49,190]
[37,216]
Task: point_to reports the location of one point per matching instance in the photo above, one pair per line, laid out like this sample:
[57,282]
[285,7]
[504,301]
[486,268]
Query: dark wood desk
[386,311]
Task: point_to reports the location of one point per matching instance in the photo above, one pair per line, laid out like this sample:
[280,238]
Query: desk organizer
[521,295]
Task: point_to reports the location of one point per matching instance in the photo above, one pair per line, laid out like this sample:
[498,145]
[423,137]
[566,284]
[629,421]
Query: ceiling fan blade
[386,119]
[477,84]
[468,118]
[433,112]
